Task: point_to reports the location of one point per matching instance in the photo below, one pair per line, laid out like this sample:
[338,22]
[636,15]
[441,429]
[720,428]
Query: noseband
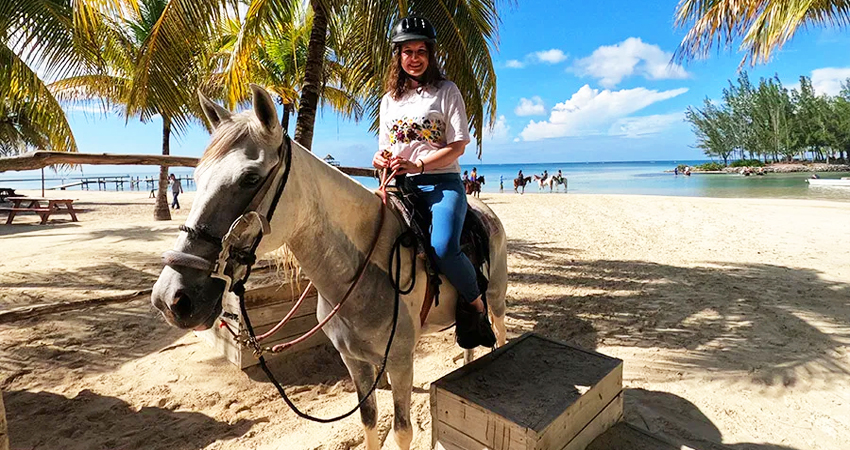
[237,247]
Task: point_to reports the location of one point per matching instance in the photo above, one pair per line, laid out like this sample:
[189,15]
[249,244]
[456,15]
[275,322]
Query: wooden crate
[4,434]
[268,298]
[532,394]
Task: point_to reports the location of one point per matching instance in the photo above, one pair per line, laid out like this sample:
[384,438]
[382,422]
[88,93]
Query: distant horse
[331,232]
[543,182]
[474,186]
[556,180]
[521,182]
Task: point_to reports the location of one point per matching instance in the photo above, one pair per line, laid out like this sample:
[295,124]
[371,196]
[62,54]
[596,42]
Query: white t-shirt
[424,121]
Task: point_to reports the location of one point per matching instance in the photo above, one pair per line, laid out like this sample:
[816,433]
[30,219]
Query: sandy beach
[732,317]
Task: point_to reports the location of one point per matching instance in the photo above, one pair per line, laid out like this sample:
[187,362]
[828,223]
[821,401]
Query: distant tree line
[772,123]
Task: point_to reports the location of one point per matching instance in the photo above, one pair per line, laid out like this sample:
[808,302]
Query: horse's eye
[250,180]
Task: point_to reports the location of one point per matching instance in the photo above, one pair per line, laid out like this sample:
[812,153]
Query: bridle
[237,250]
[238,246]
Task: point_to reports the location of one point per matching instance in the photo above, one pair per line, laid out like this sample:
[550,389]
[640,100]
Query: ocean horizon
[611,177]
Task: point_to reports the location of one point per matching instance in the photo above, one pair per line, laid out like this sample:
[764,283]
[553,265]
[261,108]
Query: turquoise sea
[637,177]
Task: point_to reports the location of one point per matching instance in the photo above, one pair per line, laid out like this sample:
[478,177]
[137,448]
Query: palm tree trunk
[161,211]
[313,70]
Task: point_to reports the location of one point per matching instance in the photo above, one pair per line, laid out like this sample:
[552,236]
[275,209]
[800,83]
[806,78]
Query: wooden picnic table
[37,205]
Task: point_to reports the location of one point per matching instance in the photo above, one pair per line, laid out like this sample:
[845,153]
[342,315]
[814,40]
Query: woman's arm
[435,160]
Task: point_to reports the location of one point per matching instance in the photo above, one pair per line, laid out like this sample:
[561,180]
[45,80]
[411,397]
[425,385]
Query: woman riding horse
[424,126]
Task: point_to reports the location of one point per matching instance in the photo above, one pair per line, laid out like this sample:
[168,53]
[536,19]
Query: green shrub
[711,166]
[747,163]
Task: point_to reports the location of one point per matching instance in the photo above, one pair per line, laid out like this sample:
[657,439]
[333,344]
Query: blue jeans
[174,203]
[444,196]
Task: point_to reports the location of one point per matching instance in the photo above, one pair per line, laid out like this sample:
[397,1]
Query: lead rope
[239,290]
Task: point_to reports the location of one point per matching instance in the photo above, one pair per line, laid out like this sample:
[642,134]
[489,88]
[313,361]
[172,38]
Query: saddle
[474,239]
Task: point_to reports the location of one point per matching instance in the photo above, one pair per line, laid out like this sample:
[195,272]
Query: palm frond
[261,16]
[763,26]
[26,95]
[164,79]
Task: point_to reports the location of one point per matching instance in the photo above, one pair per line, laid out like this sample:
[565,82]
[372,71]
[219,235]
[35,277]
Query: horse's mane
[238,127]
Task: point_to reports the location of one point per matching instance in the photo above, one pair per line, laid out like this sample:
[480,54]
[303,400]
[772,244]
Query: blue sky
[577,81]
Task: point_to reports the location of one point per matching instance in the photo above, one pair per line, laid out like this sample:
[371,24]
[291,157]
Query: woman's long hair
[397,81]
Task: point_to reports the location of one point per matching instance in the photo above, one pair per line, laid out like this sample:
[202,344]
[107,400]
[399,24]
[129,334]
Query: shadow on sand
[94,340]
[656,420]
[92,421]
[765,320]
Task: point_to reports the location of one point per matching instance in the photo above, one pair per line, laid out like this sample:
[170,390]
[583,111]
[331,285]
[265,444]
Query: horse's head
[234,175]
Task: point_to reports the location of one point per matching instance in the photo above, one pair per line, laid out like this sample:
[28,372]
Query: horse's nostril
[181,306]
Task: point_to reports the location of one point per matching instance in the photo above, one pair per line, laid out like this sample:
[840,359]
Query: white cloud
[500,130]
[828,80]
[612,63]
[634,127]
[591,111]
[553,56]
[530,107]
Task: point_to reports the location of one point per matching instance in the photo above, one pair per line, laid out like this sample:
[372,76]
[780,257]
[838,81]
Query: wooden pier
[120,182]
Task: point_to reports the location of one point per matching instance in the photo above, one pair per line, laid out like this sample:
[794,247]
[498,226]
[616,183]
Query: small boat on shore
[826,182]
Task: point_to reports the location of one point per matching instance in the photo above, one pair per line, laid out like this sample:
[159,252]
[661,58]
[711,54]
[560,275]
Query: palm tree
[39,36]
[135,77]
[19,133]
[279,60]
[763,25]
[466,32]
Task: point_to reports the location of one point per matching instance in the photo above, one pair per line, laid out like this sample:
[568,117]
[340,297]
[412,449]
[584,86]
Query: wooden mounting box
[532,394]
[4,435]
[268,298]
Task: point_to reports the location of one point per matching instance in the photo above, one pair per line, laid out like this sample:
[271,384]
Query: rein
[227,252]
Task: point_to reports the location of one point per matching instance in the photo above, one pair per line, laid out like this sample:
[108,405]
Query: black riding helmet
[413,28]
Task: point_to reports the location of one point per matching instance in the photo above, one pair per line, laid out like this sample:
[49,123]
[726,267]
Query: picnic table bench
[37,205]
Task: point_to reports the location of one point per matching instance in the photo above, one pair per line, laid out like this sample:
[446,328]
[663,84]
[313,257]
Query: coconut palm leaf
[261,17]
[465,32]
[26,95]
[165,76]
[762,25]
[18,133]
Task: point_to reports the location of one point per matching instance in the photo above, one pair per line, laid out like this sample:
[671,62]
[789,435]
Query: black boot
[472,328]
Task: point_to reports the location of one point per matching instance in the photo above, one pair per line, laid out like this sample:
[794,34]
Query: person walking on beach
[423,123]
[176,189]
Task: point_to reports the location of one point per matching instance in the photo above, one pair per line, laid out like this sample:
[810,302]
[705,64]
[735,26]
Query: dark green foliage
[710,167]
[747,163]
[767,122]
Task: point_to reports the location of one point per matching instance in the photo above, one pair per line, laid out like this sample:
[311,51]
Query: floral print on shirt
[409,129]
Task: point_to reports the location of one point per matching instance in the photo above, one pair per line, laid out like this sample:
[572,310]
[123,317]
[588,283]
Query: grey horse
[328,221]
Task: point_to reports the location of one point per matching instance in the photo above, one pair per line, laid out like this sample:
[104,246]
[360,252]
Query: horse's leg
[402,386]
[500,329]
[468,356]
[363,375]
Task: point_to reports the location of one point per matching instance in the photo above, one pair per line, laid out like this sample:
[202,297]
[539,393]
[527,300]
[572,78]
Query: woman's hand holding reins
[404,166]
[380,160]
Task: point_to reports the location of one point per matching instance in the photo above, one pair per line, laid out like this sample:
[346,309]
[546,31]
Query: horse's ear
[264,108]
[215,113]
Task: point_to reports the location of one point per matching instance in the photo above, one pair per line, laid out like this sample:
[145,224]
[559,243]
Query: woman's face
[414,58]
